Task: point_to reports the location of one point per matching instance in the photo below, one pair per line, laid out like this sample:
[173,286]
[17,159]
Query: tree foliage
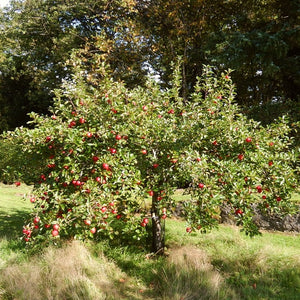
[38,37]
[106,147]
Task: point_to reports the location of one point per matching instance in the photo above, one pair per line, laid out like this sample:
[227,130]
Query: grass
[223,264]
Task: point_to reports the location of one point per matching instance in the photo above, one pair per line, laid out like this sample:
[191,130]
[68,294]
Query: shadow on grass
[11,223]
[192,275]
[252,280]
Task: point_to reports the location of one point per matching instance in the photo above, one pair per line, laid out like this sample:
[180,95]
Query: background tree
[37,38]
[258,39]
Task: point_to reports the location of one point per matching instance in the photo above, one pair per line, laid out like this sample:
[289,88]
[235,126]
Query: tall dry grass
[67,273]
[189,275]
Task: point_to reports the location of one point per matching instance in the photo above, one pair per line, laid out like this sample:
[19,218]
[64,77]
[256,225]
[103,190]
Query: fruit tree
[108,149]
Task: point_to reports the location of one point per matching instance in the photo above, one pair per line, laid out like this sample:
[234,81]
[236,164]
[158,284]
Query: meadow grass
[222,264]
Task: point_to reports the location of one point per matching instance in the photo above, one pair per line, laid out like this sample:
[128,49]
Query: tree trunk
[158,236]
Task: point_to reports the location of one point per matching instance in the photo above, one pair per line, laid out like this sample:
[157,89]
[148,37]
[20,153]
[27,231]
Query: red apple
[248,140]
[55,232]
[259,189]
[17,183]
[32,199]
[89,134]
[144,151]
[201,185]
[36,220]
[145,220]
[105,166]
[93,230]
[241,156]
[103,209]
[81,120]
[118,137]
[95,158]
[55,226]
[238,211]
[188,229]
[155,166]
[112,150]
[87,222]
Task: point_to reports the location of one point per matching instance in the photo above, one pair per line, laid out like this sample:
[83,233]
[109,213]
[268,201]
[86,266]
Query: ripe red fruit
[145,108]
[215,143]
[259,189]
[188,229]
[55,232]
[118,216]
[155,166]
[81,120]
[270,163]
[278,199]
[32,199]
[164,216]
[48,139]
[143,224]
[144,151]
[103,209]
[145,220]
[95,158]
[201,185]
[17,183]
[87,222]
[105,166]
[271,144]
[241,156]
[198,159]
[171,111]
[55,226]
[36,220]
[72,124]
[238,212]
[151,193]
[248,140]
[118,137]
[112,150]
[264,197]
[89,134]
[93,230]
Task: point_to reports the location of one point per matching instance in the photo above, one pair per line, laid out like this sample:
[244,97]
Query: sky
[3,3]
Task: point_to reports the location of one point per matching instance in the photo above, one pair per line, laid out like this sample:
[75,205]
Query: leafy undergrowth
[223,264]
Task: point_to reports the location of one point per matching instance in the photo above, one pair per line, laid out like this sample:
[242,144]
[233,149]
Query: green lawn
[13,209]
[223,264]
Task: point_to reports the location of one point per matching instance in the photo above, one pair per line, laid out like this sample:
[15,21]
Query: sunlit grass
[222,264]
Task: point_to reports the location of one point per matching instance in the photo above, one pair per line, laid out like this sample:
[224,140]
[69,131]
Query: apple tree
[107,148]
